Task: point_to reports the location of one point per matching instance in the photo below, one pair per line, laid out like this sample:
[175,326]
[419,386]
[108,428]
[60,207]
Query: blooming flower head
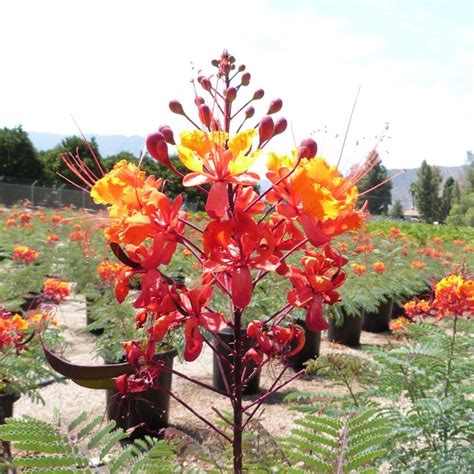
[25,218]
[378,267]
[108,270]
[398,326]
[55,290]
[24,254]
[76,235]
[365,248]
[454,295]
[12,327]
[417,264]
[358,268]
[11,222]
[416,307]
[394,231]
[56,218]
[50,239]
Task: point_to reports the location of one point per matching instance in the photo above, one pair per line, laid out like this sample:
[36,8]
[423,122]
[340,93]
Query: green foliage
[83,445]
[18,158]
[426,192]
[463,213]
[379,199]
[352,443]
[446,199]
[397,210]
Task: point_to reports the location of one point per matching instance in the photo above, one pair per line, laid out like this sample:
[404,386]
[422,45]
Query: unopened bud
[265,129]
[205,115]
[198,101]
[158,149]
[167,133]
[312,147]
[242,68]
[245,79]
[280,126]
[275,106]
[249,112]
[258,94]
[231,59]
[231,94]
[176,107]
[303,152]
[215,62]
[205,83]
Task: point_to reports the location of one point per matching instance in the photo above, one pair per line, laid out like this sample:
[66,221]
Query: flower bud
[205,115]
[231,94]
[245,79]
[176,107]
[265,129]
[215,62]
[241,68]
[303,152]
[158,149]
[249,112]
[205,83]
[198,101]
[231,59]
[258,94]
[275,106]
[167,133]
[280,126]
[312,147]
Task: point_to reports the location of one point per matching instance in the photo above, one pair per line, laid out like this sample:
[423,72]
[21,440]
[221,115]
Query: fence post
[61,195]
[32,194]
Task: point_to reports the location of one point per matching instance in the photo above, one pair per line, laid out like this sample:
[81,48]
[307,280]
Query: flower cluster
[358,268]
[454,295]
[55,290]
[415,308]
[12,330]
[108,271]
[24,254]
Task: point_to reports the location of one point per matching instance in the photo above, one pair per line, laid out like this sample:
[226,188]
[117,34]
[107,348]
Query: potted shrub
[345,328]
[22,363]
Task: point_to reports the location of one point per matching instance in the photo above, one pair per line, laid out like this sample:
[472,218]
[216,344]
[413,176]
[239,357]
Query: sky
[114,66]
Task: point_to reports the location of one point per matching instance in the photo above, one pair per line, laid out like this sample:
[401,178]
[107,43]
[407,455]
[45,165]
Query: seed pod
[176,107]
[231,94]
[245,79]
[167,133]
[311,145]
[275,106]
[258,94]
[265,129]
[280,126]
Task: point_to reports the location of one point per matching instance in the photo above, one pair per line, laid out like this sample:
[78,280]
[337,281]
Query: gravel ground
[71,399]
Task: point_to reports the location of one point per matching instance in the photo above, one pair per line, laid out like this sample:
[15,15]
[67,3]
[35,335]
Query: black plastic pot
[309,351]
[6,411]
[33,300]
[147,411]
[218,381]
[379,321]
[348,333]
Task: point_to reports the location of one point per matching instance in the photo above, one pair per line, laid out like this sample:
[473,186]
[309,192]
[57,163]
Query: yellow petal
[241,142]
[189,158]
[243,162]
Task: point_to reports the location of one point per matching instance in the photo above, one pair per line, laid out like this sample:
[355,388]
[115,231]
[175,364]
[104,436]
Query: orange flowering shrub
[417,264]
[12,327]
[24,254]
[378,267]
[108,271]
[50,239]
[56,218]
[55,290]
[365,248]
[76,236]
[415,308]
[358,268]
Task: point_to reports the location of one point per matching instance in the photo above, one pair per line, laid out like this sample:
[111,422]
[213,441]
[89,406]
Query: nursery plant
[249,235]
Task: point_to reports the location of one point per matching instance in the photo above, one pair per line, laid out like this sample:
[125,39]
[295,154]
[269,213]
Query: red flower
[235,246]
[316,285]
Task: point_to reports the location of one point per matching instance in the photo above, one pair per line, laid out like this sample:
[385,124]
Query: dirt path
[71,399]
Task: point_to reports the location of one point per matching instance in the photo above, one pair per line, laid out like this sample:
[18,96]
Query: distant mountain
[108,144]
[401,184]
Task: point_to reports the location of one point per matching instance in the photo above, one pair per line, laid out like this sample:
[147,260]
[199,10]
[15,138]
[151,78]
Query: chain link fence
[11,192]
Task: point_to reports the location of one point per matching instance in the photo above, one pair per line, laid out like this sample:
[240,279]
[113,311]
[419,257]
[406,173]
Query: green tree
[379,199]
[446,199]
[18,157]
[397,210]
[470,172]
[463,213]
[426,190]
[53,164]
[456,198]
